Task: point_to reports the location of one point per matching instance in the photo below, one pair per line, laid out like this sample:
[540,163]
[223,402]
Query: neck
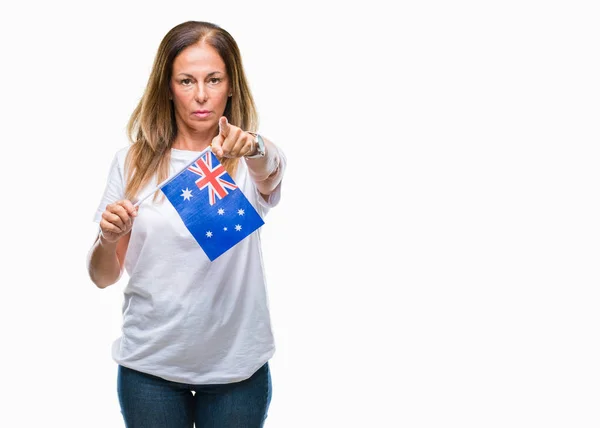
[188,139]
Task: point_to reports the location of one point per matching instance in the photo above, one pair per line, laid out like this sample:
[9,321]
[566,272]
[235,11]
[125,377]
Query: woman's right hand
[117,220]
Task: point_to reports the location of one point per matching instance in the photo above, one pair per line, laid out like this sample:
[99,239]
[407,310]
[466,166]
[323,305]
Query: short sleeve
[115,186]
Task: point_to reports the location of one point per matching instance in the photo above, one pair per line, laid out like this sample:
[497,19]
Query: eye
[214,80]
[186,82]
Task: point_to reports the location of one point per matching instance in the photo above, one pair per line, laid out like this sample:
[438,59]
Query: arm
[106,260]
[107,256]
[267,172]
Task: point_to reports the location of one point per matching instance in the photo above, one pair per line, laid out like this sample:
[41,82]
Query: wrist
[258,147]
[105,243]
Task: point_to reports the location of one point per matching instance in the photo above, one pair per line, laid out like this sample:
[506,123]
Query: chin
[203,125]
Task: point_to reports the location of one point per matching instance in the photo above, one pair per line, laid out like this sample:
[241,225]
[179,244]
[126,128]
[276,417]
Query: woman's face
[200,88]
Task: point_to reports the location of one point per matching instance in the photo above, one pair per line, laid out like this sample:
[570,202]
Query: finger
[217,145]
[241,146]
[224,127]
[249,143]
[107,227]
[123,214]
[113,219]
[233,143]
[131,210]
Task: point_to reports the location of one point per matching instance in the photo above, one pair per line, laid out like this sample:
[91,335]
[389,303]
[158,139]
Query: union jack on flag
[210,177]
[212,207]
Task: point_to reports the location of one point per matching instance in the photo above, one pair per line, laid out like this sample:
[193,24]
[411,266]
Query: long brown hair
[152,128]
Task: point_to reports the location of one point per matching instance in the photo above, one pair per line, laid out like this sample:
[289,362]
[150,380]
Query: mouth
[201,113]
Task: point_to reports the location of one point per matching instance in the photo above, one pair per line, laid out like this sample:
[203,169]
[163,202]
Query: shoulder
[119,157]
[117,165]
[121,154]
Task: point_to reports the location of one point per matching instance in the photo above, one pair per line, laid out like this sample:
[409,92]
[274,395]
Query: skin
[199,82]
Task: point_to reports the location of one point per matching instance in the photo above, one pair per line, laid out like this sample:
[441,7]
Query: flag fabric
[212,207]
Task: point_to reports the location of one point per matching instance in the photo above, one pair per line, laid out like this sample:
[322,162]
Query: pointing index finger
[223,126]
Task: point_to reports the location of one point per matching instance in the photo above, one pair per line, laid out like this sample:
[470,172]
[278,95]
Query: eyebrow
[209,74]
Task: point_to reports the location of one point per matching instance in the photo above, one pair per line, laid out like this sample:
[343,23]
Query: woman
[196,335]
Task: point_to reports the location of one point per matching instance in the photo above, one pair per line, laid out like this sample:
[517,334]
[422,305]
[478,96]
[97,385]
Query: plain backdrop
[434,259]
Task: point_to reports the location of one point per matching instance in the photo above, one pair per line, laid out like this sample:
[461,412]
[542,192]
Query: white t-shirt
[185,318]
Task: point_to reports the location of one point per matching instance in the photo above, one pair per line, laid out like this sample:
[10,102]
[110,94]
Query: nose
[201,94]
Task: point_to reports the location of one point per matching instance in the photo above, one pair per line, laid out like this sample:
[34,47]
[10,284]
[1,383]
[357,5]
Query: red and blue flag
[212,207]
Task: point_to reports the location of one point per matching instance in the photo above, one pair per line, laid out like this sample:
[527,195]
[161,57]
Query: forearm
[103,264]
[267,172]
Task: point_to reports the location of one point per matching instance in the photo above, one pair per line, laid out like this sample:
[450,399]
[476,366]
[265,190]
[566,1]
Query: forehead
[198,58]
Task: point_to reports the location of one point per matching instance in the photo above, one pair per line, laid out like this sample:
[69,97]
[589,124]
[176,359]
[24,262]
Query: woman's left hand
[232,142]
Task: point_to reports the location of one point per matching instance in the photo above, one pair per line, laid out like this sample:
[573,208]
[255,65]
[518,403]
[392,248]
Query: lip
[201,113]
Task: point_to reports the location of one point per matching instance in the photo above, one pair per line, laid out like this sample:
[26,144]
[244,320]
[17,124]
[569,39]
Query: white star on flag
[187,194]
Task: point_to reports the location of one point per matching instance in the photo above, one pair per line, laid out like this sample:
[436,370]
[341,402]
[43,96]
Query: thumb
[215,145]
[223,126]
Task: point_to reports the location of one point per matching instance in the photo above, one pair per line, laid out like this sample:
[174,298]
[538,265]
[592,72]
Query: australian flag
[212,207]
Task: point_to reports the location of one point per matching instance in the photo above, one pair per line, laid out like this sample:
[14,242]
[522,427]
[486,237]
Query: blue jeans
[152,402]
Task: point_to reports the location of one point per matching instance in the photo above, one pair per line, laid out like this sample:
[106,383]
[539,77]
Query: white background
[434,258]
